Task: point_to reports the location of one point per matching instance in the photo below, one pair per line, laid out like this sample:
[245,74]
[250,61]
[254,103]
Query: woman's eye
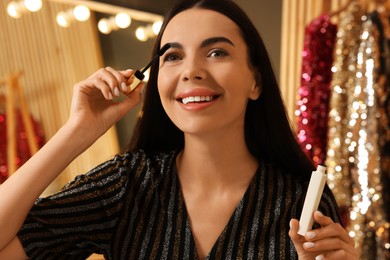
[171,57]
[218,53]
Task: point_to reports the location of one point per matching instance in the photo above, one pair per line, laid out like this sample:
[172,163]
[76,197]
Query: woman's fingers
[110,81]
[338,254]
[328,229]
[295,237]
[106,77]
[331,238]
[293,233]
[326,244]
[331,248]
[120,81]
[132,99]
[103,87]
[106,83]
[331,241]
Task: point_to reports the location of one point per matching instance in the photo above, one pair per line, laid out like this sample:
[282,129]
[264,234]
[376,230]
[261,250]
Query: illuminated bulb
[141,34]
[104,26]
[122,20]
[33,5]
[62,19]
[156,27]
[81,13]
[14,9]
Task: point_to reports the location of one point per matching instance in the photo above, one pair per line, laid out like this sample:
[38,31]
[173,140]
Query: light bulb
[62,19]
[13,9]
[141,34]
[81,13]
[33,5]
[104,26]
[156,27]
[122,20]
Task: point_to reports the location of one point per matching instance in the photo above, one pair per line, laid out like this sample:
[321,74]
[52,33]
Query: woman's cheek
[166,83]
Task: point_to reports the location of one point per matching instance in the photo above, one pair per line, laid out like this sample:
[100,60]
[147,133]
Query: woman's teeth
[196,99]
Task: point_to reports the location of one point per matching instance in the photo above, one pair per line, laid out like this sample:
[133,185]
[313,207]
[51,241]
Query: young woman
[213,170]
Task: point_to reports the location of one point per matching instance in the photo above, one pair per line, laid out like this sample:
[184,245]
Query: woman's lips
[197,96]
[197,99]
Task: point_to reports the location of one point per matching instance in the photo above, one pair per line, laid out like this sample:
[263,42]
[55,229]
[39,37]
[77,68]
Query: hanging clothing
[22,147]
[381,21]
[344,71]
[353,157]
[313,94]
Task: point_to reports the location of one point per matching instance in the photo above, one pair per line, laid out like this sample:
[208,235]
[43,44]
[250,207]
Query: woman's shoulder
[128,166]
[145,164]
[296,186]
[157,159]
[282,173]
[137,158]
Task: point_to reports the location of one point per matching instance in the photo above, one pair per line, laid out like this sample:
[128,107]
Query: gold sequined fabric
[353,156]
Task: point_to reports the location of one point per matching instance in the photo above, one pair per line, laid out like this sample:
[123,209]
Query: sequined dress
[314,91]
[357,121]
[131,207]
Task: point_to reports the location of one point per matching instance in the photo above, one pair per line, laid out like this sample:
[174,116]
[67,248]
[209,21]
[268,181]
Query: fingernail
[311,234]
[123,86]
[320,257]
[116,91]
[109,96]
[308,244]
[319,213]
[290,223]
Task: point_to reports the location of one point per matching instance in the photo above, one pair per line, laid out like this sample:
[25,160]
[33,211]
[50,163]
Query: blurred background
[329,56]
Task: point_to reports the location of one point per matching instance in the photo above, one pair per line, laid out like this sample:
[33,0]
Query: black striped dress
[131,207]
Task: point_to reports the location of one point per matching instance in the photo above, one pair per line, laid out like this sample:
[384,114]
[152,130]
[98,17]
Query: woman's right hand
[93,110]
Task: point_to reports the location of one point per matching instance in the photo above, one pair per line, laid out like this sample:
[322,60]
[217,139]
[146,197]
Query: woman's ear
[255,92]
[256,89]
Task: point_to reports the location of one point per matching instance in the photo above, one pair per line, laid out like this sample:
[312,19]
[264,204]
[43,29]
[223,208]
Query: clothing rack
[14,95]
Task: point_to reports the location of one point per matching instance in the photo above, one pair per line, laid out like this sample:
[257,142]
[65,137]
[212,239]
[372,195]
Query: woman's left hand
[331,241]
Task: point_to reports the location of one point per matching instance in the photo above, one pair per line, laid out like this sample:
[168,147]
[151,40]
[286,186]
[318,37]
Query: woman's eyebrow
[205,43]
[175,45]
[213,40]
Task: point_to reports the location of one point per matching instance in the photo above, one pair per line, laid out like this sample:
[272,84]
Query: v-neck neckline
[238,207]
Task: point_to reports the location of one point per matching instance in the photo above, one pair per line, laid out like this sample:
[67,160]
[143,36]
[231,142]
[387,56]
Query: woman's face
[204,79]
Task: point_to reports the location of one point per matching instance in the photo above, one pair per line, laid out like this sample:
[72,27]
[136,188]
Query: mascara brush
[139,74]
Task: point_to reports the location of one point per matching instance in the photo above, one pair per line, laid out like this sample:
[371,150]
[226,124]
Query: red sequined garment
[23,150]
[313,95]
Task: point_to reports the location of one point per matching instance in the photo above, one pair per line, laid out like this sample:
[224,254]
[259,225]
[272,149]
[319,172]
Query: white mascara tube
[312,199]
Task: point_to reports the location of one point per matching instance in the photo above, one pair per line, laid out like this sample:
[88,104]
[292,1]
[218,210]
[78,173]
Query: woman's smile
[197,99]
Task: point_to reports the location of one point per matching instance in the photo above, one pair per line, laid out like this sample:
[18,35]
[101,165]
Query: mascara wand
[139,74]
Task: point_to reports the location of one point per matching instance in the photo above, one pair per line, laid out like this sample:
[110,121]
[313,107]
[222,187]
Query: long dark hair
[268,133]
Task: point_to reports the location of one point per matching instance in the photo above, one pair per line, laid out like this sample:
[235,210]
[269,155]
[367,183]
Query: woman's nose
[194,70]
